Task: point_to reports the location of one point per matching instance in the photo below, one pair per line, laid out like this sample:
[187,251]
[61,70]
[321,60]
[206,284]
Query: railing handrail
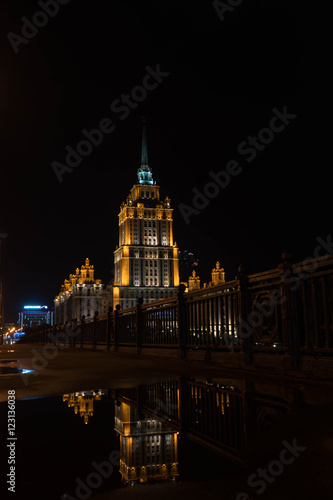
[244,314]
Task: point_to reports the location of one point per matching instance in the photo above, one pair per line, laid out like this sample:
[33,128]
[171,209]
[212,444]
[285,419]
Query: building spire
[145,174]
[144,151]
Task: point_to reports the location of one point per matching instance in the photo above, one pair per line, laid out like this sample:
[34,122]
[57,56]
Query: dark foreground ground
[73,370]
[308,477]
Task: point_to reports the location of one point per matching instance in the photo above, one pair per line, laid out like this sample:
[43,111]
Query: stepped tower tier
[146,260]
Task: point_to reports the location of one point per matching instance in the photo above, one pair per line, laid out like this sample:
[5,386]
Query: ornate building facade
[194,283]
[148,448]
[146,260]
[81,295]
[83,403]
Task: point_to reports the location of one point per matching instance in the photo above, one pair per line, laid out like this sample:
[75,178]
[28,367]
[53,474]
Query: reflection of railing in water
[217,416]
[228,416]
[212,416]
[287,310]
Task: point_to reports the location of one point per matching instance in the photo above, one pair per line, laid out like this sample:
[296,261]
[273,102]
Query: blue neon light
[35,307]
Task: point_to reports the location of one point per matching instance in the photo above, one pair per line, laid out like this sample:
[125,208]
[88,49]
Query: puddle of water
[181,431]
[14,369]
[5,370]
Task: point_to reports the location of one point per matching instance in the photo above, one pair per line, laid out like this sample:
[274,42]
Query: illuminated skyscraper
[146,261]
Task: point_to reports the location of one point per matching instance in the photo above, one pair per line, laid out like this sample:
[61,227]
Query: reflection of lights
[83,402]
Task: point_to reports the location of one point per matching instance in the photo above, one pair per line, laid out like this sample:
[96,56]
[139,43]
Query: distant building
[148,448]
[146,261]
[193,282]
[82,295]
[34,317]
[218,277]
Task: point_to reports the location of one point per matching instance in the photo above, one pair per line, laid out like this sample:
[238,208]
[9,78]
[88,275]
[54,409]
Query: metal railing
[215,417]
[288,309]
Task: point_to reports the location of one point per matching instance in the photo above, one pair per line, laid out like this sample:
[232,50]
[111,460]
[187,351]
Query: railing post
[244,333]
[250,423]
[181,320]
[74,332]
[70,336]
[109,325]
[116,327]
[183,410]
[55,329]
[138,325]
[290,334]
[95,330]
[82,330]
[65,332]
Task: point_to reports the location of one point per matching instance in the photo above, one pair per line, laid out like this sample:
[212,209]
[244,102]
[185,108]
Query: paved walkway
[75,370]
[65,370]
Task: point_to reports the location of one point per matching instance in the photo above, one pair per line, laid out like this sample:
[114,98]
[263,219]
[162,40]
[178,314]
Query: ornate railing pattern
[216,417]
[284,310]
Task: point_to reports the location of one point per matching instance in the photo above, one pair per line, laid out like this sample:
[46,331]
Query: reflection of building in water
[83,402]
[148,449]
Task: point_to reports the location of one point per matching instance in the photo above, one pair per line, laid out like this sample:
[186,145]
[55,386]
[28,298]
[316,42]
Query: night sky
[224,80]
